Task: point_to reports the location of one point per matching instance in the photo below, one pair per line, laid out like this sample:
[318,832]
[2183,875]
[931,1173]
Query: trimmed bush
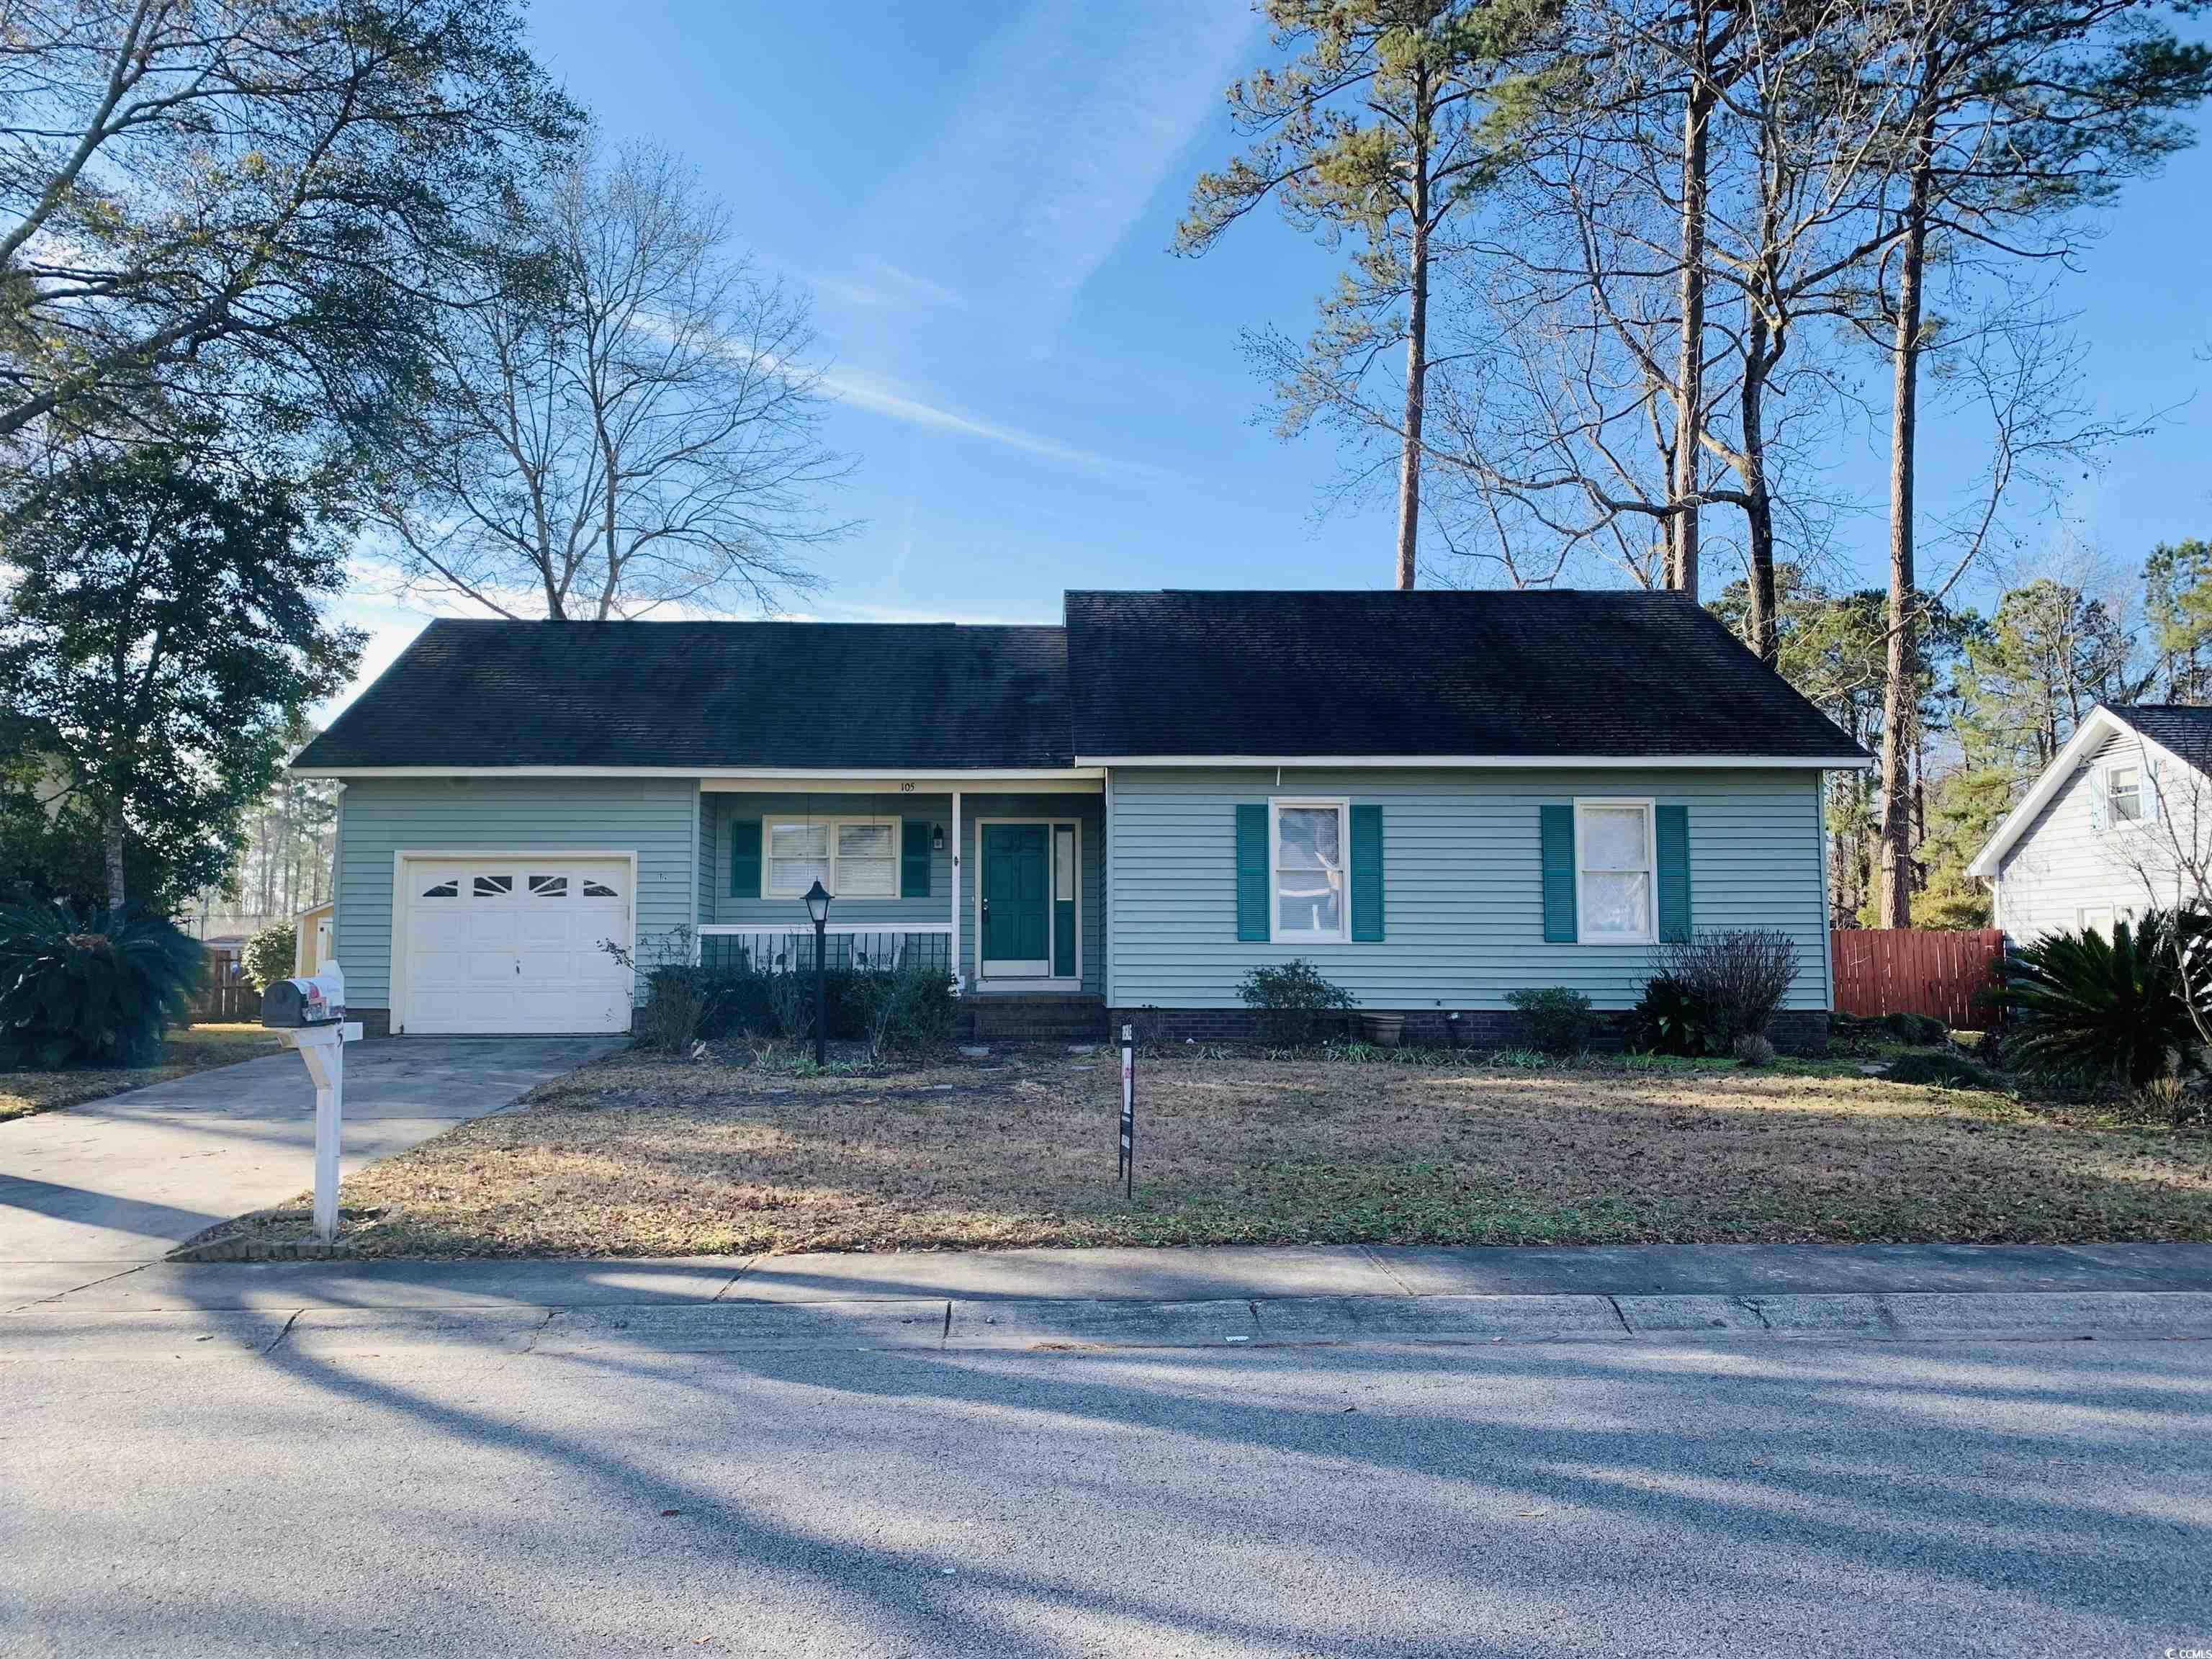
[1940,1071]
[270,954]
[90,987]
[1924,1028]
[908,1010]
[2091,1010]
[1737,975]
[1294,1005]
[1558,1020]
[1671,1019]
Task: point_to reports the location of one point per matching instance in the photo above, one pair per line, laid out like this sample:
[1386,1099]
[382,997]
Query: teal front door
[1017,901]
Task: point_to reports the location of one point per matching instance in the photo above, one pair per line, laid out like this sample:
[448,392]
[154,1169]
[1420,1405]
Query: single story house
[2120,822]
[1436,798]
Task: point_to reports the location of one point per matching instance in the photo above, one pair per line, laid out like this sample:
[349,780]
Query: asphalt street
[1809,1496]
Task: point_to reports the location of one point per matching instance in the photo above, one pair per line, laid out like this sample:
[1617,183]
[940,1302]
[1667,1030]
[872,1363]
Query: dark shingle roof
[1445,673]
[635,694]
[2180,727]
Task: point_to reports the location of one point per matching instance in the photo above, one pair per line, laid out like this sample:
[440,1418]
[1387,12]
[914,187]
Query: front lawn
[194,1049]
[642,1157]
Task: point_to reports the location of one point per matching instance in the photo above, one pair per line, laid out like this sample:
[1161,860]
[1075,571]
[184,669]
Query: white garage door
[513,945]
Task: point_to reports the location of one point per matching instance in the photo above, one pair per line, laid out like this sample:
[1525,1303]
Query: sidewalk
[1081,1299]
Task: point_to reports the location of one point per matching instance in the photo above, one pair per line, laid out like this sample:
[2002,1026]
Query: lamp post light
[817,907]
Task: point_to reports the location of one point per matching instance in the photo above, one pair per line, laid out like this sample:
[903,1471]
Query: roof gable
[2174,732]
[1529,676]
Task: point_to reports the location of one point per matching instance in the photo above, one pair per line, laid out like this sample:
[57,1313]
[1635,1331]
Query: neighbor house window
[2124,794]
[1309,838]
[854,858]
[1613,864]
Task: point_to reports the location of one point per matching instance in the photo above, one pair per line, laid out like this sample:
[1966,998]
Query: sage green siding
[379,817]
[1464,872]
[719,906]
[751,910]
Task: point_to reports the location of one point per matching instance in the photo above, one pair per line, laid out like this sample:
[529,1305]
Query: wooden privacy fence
[225,994]
[1918,970]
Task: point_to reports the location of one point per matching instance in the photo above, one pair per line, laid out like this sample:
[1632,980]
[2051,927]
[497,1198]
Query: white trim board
[713,776]
[2098,725]
[711,929]
[1515,763]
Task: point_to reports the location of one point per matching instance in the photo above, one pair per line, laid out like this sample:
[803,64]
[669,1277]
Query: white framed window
[1308,888]
[854,858]
[1616,873]
[2124,794]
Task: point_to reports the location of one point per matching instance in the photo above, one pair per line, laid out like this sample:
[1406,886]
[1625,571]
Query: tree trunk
[1758,503]
[1417,343]
[112,837]
[1898,699]
[1690,372]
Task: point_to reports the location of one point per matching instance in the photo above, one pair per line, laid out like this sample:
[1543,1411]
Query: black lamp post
[817,907]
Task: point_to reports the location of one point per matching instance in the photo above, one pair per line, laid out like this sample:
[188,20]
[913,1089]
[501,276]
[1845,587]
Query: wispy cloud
[881,287]
[1064,135]
[883,397]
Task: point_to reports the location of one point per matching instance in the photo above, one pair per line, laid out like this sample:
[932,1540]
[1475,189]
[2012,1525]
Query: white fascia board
[796,774]
[2099,724]
[1524,763]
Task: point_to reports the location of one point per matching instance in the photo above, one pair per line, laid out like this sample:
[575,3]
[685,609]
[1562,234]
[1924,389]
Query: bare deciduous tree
[626,417]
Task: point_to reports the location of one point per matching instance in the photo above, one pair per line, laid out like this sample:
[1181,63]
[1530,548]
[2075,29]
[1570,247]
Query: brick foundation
[374,1022]
[1804,1032]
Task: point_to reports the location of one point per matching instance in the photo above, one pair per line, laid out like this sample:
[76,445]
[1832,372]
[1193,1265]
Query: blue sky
[980,200]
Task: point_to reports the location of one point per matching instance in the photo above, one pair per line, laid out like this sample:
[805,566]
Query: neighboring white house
[2120,823]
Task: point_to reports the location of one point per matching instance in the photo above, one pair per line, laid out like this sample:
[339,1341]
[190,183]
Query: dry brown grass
[637,1156]
[193,1049]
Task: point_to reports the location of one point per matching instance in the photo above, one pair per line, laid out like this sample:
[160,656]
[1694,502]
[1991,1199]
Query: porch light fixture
[937,838]
[818,910]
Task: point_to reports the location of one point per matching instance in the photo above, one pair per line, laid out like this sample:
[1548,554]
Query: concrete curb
[1058,1325]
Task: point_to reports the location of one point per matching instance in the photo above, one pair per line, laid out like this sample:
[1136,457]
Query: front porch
[1000,882]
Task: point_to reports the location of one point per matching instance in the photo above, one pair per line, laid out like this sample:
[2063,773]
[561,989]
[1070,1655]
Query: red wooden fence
[1917,970]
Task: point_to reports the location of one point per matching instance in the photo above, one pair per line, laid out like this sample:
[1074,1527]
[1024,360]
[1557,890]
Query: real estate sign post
[1128,1170]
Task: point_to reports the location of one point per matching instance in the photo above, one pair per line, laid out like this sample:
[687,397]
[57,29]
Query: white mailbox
[309,1015]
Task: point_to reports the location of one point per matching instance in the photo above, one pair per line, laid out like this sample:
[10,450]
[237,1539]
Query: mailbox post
[309,1015]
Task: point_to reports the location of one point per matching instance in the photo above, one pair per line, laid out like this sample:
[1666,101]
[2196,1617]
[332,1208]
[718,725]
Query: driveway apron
[97,1187]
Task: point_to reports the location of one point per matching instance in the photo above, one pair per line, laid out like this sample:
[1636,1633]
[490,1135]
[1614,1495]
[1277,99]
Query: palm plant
[2097,1010]
[83,986]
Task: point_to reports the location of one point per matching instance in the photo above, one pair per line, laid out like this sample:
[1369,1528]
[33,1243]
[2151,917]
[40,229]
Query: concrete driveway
[94,1187]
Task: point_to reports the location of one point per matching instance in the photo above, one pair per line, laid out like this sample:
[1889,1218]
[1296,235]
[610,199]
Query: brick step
[1042,1018]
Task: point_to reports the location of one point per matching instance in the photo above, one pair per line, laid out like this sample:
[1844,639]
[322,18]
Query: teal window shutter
[1557,836]
[1252,872]
[745,858]
[1672,825]
[1367,873]
[914,859]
